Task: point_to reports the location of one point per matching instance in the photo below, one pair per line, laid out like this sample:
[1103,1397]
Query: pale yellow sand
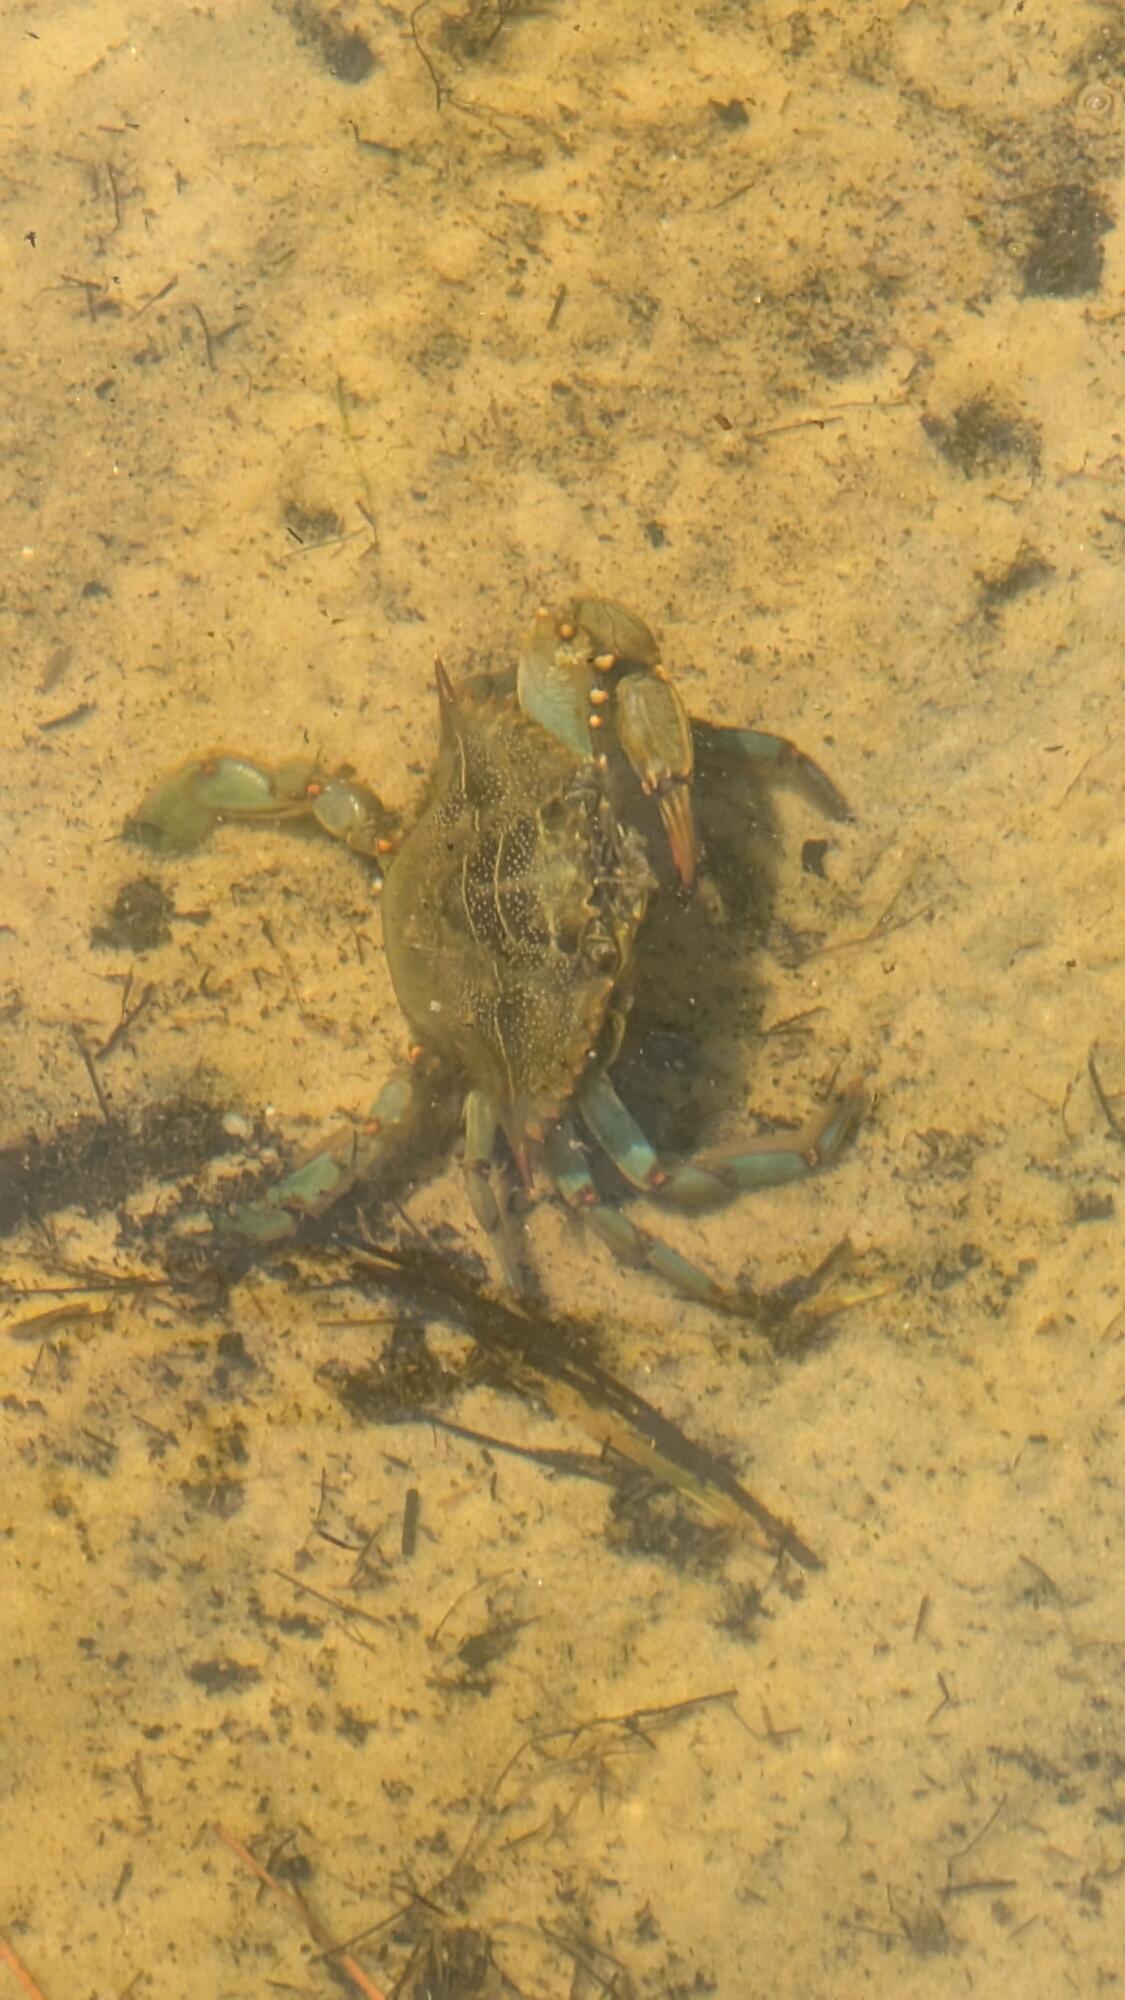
[674,303]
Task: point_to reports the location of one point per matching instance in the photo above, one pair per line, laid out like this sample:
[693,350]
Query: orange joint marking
[599,695]
[658,1177]
[604,662]
[415,1052]
[596,721]
[384,846]
[313,789]
[566,630]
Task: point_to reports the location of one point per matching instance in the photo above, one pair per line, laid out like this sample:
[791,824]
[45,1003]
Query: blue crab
[511,909]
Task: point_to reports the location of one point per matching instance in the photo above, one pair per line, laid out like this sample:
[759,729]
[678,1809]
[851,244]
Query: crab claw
[655,734]
[674,800]
[523,1129]
[556,679]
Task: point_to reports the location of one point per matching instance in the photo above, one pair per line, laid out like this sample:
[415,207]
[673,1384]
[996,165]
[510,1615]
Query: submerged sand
[335,339]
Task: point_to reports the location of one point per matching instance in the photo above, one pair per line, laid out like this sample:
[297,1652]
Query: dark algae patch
[345,53]
[139,919]
[95,1162]
[1027,569]
[1066,254]
[980,435]
[223,1676]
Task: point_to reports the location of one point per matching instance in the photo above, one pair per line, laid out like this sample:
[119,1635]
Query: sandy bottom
[338,338]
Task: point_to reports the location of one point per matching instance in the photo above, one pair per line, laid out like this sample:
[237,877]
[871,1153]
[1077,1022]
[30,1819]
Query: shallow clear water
[800,332]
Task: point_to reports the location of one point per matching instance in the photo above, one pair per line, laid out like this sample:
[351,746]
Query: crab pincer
[591,675]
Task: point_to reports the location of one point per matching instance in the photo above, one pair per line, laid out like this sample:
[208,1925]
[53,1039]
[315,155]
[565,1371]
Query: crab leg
[568,673]
[718,1177]
[480,1140]
[566,1163]
[654,731]
[757,746]
[182,809]
[349,1155]
[556,680]
[652,723]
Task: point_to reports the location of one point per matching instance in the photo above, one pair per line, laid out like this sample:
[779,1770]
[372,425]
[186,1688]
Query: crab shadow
[698,995]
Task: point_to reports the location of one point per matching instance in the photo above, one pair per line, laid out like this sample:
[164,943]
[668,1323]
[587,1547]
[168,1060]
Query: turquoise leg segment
[715,1178]
[564,1159]
[182,809]
[480,1142]
[699,1184]
[348,1156]
[569,1169]
[617,1133]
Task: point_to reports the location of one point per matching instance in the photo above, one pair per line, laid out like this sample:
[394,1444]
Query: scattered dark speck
[223,1675]
[812,857]
[349,58]
[95,589]
[483,1649]
[732,114]
[1094,1208]
[297,1625]
[346,54]
[945,1275]
[221,1498]
[1022,574]
[232,1348]
[656,535]
[354,1729]
[237,1449]
[744,1614]
[645,1521]
[293,1868]
[310,525]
